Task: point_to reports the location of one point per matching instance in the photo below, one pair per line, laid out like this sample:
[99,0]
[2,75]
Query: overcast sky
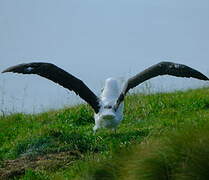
[97,39]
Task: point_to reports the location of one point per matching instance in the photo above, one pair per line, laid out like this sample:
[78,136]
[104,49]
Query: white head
[111,88]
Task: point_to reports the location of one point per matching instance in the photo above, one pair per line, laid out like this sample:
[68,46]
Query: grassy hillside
[162,136]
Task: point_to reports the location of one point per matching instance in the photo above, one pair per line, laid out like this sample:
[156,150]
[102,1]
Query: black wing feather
[162,68]
[58,75]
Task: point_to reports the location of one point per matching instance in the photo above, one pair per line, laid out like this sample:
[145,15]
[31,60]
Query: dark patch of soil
[17,167]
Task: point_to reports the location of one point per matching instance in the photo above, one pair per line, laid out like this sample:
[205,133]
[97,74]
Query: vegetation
[162,136]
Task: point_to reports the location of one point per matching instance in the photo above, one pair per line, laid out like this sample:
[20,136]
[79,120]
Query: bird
[108,107]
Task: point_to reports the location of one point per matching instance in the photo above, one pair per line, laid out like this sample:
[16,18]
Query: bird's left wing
[58,75]
[162,68]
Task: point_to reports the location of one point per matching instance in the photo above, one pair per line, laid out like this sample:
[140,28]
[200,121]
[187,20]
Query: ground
[61,144]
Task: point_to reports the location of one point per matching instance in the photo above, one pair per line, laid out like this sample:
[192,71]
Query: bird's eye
[108,107]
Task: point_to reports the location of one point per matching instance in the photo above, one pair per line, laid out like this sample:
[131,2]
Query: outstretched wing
[58,75]
[162,68]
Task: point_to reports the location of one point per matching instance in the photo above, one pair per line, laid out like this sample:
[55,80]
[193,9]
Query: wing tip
[10,69]
[15,69]
[7,70]
[202,77]
[207,79]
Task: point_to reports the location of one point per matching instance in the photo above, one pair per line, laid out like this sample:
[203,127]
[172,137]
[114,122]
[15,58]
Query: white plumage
[107,117]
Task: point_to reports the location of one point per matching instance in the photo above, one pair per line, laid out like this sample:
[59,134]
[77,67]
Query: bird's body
[107,117]
[108,107]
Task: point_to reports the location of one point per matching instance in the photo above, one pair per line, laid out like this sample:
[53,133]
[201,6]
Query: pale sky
[97,39]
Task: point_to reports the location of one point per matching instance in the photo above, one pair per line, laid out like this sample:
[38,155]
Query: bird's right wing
[58,75]
[162,68]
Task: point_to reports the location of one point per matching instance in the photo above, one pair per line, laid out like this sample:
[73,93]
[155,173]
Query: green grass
[162,136]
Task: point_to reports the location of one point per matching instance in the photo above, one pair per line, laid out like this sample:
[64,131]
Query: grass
[162,136]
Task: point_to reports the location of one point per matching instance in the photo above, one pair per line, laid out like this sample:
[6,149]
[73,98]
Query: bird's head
[107,112]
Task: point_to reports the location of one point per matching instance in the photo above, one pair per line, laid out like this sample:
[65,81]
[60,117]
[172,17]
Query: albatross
[108,107]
